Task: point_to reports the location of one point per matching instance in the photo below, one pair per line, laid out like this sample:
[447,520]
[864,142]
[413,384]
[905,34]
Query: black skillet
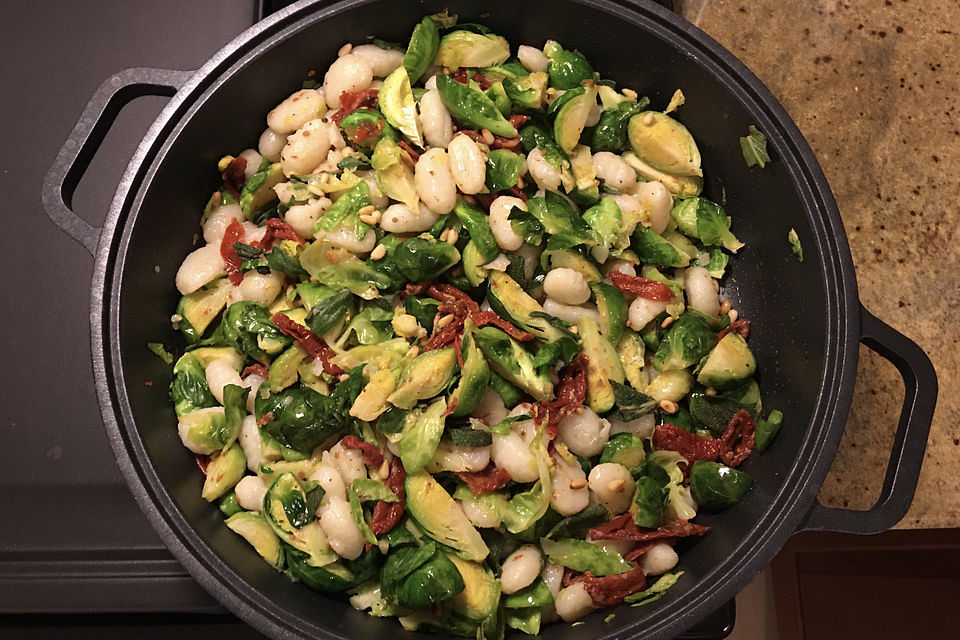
[806,318]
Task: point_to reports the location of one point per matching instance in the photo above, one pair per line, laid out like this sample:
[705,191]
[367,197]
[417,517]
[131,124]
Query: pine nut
[487,137]
[711,391]
[666,322]
[370,220]
[378,252]
[630,93]
[578,411]
[444,234]
[442,322]
[574,329]
[578,483]
[668,406]
[616,486]
[725,306]
[733,315]
[414,351]
[343,376]
[384,469]
[344,50]
[453,236]
[367,210]
[648,119]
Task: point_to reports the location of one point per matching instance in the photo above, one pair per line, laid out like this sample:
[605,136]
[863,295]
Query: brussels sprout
[610,134]
[768,429]
[650,495]
[360,279]
[571,259]
[509,394]
[473,108]
[367,490]
[606,219]
[603,366]
[370,326]
[567,69]
[473,261]
[674,308]
[329,311]
[189,390]
[498,95]
[402,563]
[503,169]
[525,509]
[204,430]
[705,220]
[654,249]
[330,578]
[398,106]
[684,344]
[729,364]
[481,594]
[581,555]
[587,186]
[681,243]
[748,393]
[572,118]
[670,385]
[394,177]
[312,293]
[630,349]
[424,258]
[247,326]
[426,376]
[476,223]
[510,360]
[680,186]
[253,528]
[206,355]
[223,472]
[434,581]
[612,307]
[528,92]
[474,376]
[283,370]
[286,505]
[715,412]
[423,309]
[625,449]
[258,190]
[365,127]
[462,48]
[200,308]
[441,518]
[302,418]
[664,143]
[561,220]
[716,486]
[422,49]
[716,264]
[421,435]
[511,70]
[534,137]
[510,301]
[228,504]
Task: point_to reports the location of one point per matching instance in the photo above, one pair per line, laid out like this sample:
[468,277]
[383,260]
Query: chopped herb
[754,147]
[794,241]
[161,352]
[655,592]
[676,101]
[246,251]
[610,617]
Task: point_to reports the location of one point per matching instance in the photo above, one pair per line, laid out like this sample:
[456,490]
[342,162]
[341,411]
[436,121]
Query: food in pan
[455,347]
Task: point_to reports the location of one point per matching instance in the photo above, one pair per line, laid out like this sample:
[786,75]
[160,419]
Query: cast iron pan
[806,318]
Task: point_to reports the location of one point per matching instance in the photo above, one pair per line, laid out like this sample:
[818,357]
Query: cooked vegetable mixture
[455,344]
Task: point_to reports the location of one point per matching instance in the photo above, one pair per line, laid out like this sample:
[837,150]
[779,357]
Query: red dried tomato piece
[308,340]
[255,369]
[624,528]
[461,76]
[367,130]
[641,549]
[232,235]
[486,481]
[414,156]
[667,437]
[473,134]
[571,392]
[609,590]
[265,418]
[277,229]
[483,318]
[482,81]
[643,287]
[485,199]
[499,142]
[371,454]
[516,192]
[234,176]
[518,120]
[738,440]
[350,101]
[386,515]
[737,326]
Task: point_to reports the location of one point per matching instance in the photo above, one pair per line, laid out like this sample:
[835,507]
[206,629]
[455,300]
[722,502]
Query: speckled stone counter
[873,85]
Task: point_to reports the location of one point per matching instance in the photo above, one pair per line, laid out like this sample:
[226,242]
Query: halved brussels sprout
[670,385]
[567,69]
[610,134]
[654,249]
[463,48]
[510,360]
[630,349]
[603,365]
[681,186]
[528,92]
[473,108]
[441,518]
[398,105]
[474,376]
[223,472]
[425,258]
[422,49]
[716,486]
[625,449]
[684,344]
[664,143]
[572,118]
[473,261]
[253,528]
[729,364]
[283,370]
[426,376]
[200,308]
[394,177]
[612,307]
[700,218]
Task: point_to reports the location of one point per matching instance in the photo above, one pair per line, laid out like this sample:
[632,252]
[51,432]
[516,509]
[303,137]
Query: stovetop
[77,557]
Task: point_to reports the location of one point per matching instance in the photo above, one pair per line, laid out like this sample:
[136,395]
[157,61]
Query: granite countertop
[872,85]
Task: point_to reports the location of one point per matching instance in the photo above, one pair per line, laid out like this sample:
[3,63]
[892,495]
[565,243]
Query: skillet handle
[82,144]
[903,469]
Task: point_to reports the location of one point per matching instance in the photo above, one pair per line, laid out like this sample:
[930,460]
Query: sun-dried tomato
[606,591]
[277,229]
[738,440]
[624,528]
[499,142]
[482,81]
[485,199]
[231,261]
[255,369]
[486,481]
[308,341]
[516,192]
[643,287]
[371,454]
[235,176]
[518,120]
[483,318]
[668,437]
[473,134]
[642,548]
[414,155]
[461,306]
[737,326]
[350,101]
[386,515]
[265,418]
[571,392]
[366,130]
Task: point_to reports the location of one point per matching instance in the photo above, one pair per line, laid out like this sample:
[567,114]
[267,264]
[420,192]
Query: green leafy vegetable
[768,429]
[535,595]
[705,220]
[654,592]
[473,108]
[160,351]
[422,49]
[754,148]
[402,563]
[795,246]
[424,258]
[650,495]
[630,404]
[503,169]
[189,390]
[581,555]
[716,486]
[576,525]
[329,311]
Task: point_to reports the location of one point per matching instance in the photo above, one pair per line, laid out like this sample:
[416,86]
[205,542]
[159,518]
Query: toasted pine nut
[734,314]
[444,234]
[370,220]
[616,486]
[453,236]
[344,50]
[367,210]
[630,93]
[711,391]
[648,119]
[725,306]
[578,483]
[384,469]
[414,351]
[487,137]
[666,322]
[442,322]
[668,406]
[578,411]
[574,329]
[343,376]
[378,252]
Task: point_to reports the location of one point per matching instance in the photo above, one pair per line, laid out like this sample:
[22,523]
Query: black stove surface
[77,557]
